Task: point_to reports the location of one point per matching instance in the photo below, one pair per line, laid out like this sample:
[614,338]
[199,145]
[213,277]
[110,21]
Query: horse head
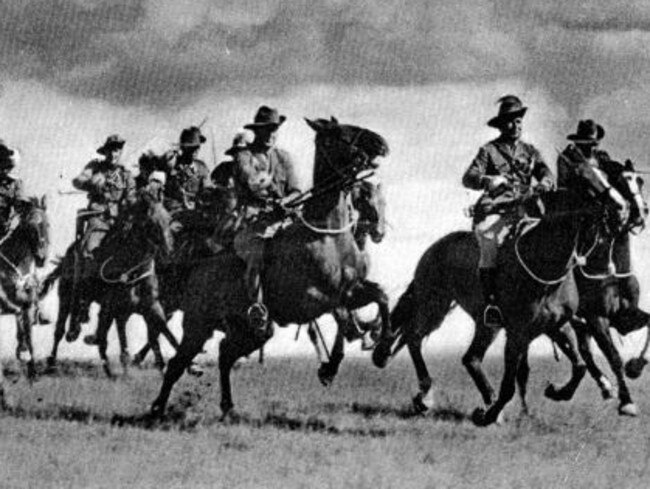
[148,226]
[597,186]
[369,200]
[35,227]
[343,151]
[628,182]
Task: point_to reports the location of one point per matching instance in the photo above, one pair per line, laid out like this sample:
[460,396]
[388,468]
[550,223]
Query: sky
[425,74]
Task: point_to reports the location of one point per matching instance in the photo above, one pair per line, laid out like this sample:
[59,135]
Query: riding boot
[491,314]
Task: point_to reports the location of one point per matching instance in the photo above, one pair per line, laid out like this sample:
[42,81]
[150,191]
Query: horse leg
[59,328]
[104,321]
[120,323]
[313,337]
[232,348]
[516,346]
[473,360]
[523,373]
[24,350]
[141,355]
[366,293]
[584,346]
[190,346]
[328,370]
[604,340]
[27,316]
[634,367]
[423,400]
[566,341]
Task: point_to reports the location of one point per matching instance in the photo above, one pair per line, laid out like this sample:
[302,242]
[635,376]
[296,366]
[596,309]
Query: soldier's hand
[496,182]
[98,180]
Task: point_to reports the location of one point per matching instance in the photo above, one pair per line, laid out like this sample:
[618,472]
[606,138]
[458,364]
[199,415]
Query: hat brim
[233,151]
[193,144]
[577,138]
[254,125]
[102,150]
[498,121]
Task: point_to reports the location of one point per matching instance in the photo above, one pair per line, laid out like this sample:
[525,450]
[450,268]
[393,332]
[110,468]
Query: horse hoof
[72,335]
[628,409]
[423,402]
[381,355]
[226,410]
[478,417]
[195,371]
[157,410]
[91,340]
[326,374]
[634,367]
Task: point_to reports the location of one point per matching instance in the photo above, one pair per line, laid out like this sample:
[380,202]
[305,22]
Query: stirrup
[258,315]
[492,316]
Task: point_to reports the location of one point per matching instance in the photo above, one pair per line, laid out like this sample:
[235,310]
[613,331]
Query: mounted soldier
[187,175]
[110,188]
[12,200]
[224,173]
[501,169]
[265,179]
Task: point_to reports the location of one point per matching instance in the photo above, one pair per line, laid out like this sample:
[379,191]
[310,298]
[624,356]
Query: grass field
[78,429]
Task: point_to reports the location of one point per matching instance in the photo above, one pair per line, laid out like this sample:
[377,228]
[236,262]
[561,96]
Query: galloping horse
[125,283]
[532,305]
[306,274]
[609,293]
[24,247]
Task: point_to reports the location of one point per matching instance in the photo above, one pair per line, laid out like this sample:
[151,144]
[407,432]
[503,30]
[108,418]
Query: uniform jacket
[263,174]
[570,159]
[520,163]
[186,179]
[115,191]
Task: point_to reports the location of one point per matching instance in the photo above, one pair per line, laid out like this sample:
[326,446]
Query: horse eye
[639,181]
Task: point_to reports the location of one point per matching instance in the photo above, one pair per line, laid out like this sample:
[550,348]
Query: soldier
[584,149]
[12,198]
[223,174]
[187,176]
[110,189]
[264,179]
[498,169]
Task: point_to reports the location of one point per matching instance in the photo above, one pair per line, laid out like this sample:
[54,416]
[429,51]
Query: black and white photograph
[363,244]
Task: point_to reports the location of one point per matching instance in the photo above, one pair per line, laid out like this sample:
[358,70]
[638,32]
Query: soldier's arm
[541,171]
[130,193]
[564,169]
[292,185]
[475,177]
[87,180]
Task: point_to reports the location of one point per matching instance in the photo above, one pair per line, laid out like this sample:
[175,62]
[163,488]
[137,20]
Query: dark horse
[24,247]
[609,294]
[311,267]
[126,282]
[538,292]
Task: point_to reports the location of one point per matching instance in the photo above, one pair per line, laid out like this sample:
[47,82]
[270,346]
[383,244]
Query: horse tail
[404,310]
[48,282]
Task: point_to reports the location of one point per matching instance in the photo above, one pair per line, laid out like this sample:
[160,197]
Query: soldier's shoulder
[243,156]
[95,164]
[530,148]
[283,155]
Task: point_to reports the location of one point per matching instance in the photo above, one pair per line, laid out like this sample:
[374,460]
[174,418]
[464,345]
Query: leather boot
[492,316]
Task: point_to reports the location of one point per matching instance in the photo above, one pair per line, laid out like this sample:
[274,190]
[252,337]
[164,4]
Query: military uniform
[571,158]
[11,192]
[110,188]
[502,168]
[186,179]
[263,175]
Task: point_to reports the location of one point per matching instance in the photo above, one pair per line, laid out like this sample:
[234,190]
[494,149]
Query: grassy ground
[77,429]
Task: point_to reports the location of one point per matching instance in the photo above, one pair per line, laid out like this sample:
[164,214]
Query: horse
[311,267]
[126,282]
[609,294]
[539,292]
[24,247]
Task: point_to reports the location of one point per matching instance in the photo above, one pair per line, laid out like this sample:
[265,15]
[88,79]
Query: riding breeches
[96,229]
[491,233]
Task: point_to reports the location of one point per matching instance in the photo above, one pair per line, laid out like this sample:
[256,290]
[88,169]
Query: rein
[318,230]
[124,277]
[571,263]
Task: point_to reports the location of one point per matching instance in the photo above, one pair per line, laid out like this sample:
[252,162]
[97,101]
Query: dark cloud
[164,52]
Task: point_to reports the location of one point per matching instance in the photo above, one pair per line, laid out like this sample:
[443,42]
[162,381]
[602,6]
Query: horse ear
[315,125]
[334,120]
[629,166]
[44,201]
